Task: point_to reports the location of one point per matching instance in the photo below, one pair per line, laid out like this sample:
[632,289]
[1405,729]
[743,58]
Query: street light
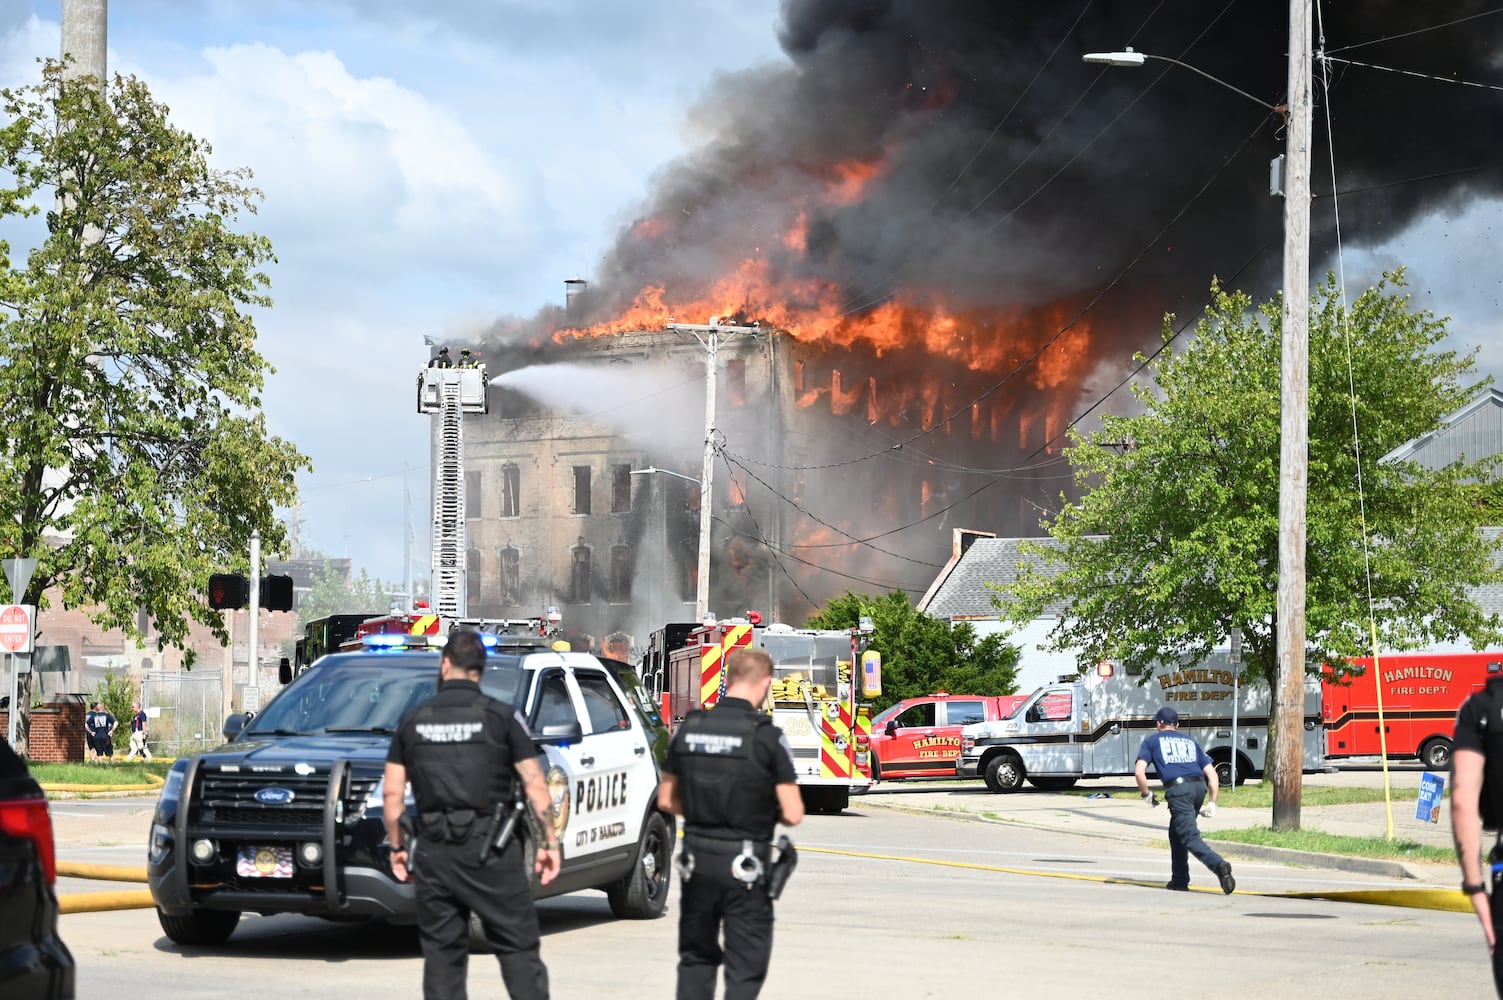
[1294,414]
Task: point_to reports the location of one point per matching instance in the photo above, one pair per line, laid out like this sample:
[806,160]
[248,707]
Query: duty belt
[1184,780]
[749,857]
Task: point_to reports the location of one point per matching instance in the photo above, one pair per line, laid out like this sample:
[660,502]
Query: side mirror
[563,732]
[892,727]
[284,671]
[234,724]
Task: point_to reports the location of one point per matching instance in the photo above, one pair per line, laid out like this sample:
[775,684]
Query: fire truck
[336,633]
[1419,698]
[813,699]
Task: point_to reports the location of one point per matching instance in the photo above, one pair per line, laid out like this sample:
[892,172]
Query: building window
[472,576]
[472,494]
[511,577]
[620,574]
[579,574]
[511,490]
[735,381]
[582,489]
[620,489]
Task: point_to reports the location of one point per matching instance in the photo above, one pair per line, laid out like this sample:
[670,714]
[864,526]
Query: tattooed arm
[541,803]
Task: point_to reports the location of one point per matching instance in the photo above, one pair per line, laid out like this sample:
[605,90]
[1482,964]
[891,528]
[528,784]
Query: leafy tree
[921,655]
[334,594]
[134,457]
[1175,539]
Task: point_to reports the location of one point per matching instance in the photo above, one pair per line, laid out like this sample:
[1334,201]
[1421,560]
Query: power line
[1417,74]
[1416,31]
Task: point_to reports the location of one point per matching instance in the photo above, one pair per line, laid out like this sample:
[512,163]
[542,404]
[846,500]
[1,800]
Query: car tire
[200,928]
[1004,773]
[1436,754]
[642,893]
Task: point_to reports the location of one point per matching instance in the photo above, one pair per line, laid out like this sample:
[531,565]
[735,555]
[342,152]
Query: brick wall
[57,732]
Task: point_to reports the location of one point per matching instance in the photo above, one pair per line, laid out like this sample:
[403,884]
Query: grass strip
[123,773]
[1330,843]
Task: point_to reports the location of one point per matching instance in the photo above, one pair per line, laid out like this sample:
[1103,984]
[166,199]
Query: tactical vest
[1491,801]
[458,774]
[726,793]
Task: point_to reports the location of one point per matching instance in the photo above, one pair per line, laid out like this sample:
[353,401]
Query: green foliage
[921,655]
[134,457]
[1175,540]
[117,691]
[333,594]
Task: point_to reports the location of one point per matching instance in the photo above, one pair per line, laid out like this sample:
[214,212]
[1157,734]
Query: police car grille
[232,799]
[358,790]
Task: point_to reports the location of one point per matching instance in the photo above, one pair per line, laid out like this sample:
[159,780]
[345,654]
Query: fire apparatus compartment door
[1053,720]
[1105,745]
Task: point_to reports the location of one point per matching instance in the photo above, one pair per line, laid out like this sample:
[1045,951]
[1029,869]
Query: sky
[428,168]
[425,169]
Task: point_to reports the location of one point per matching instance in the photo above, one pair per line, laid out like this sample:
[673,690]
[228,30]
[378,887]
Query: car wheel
[642,893]
[1004,773]
[201,928]
[1436,754]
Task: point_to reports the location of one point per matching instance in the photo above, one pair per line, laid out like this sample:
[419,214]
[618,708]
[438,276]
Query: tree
[922,655]
[333,593]
[134,457]
[1175,540]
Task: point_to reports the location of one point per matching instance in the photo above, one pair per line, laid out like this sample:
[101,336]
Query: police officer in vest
[462,751]
[729,773]
[1478,754]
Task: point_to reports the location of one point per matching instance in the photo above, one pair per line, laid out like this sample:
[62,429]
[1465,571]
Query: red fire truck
[813,699]
[1420,693]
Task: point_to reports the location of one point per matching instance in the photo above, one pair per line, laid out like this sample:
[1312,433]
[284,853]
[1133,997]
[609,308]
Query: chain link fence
[186,710]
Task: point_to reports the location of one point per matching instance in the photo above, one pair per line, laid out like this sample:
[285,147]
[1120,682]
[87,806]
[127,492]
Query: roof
[960,590]
[1472,433]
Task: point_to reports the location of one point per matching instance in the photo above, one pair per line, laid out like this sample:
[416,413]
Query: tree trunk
[22,713]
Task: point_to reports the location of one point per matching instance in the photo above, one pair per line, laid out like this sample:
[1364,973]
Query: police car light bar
[400,640]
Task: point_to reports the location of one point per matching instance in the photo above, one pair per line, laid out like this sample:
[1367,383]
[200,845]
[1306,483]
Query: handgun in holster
[503,823]
[782,867]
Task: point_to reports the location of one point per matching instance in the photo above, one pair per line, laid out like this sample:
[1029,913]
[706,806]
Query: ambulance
[1419,698]
[1093,727]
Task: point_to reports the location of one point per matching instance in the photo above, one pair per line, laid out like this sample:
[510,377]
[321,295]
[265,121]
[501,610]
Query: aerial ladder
[449,393]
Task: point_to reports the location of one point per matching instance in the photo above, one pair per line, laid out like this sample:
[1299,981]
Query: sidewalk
[1123,816]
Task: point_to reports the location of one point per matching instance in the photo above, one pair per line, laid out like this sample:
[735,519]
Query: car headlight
[172,787]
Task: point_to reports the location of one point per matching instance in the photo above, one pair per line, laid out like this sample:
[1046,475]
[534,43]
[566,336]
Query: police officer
[462,751]
[1186,772]
[1478,754]
[729,773]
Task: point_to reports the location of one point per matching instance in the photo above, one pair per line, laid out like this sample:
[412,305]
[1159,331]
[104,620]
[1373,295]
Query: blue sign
[275,796]
[1430,790]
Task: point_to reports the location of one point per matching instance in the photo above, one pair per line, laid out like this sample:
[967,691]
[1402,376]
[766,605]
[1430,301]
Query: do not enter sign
[16,622]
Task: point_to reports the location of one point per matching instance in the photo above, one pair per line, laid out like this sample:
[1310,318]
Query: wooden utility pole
[1294,436]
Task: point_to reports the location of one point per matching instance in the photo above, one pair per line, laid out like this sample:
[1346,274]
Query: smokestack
[573,289]
[85,38]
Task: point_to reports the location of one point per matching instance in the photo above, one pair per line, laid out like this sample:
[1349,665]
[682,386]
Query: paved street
[892,896]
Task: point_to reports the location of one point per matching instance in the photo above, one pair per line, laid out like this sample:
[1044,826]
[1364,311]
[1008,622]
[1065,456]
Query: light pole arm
[1130,57]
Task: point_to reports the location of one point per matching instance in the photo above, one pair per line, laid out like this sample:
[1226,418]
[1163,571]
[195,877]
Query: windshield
[505,680]
[359,694]
[885,714]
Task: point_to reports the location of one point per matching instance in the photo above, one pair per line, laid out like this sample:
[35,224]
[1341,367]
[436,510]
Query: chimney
[573,289]
[84,38]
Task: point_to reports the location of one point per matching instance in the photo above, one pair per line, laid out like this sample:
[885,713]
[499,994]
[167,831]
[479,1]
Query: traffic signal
[276,593]
[228,590]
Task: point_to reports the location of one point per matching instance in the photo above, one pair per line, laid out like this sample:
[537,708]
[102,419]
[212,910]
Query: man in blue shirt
[1186,772]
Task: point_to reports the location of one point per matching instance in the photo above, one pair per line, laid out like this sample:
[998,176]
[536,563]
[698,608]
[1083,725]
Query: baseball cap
[1167,716]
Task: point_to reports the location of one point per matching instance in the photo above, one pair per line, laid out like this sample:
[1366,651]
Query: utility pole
[1294,432]
[708,335]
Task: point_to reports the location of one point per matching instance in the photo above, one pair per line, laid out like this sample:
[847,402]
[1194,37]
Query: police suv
[286,817]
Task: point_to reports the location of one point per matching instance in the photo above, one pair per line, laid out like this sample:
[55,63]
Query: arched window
[511,577]
[621,573]
[472,577]
[579,574]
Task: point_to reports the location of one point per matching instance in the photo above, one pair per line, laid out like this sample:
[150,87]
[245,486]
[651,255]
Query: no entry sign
[16,621]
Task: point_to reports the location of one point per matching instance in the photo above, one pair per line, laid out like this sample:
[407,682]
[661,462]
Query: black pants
[711,899]
[1496,906]
[452,884]
[1184,801]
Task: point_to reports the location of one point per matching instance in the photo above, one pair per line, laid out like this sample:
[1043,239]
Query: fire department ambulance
[1093,727]
[813,699]
[1420,695]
